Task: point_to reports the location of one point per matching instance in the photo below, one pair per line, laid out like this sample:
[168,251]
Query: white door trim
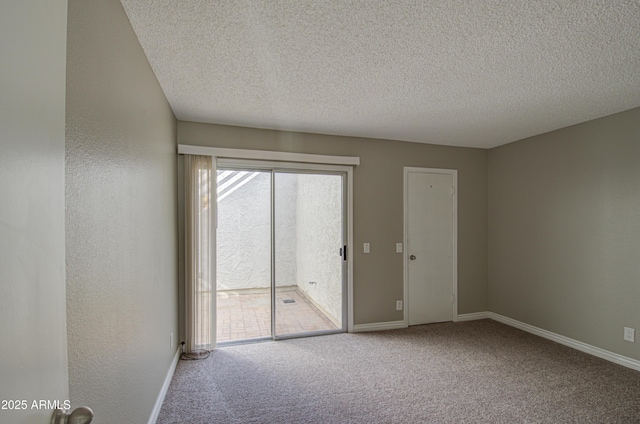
[454,292]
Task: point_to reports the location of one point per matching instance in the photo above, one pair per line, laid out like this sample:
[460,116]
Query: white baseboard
[575,344]
[379,326]
[165,387]
[473,316]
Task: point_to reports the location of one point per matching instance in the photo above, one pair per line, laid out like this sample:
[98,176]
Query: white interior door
[431,246]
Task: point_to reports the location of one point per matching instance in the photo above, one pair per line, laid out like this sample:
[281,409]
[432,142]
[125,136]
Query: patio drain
[289,301]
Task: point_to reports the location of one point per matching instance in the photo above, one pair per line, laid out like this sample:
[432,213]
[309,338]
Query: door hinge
[343,253]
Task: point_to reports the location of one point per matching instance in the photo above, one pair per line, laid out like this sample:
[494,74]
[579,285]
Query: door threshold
[311,334]
[228,343]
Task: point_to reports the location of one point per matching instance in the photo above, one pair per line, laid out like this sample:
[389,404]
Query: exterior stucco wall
[308,235]
[319,235]
[244,234]
[285,229]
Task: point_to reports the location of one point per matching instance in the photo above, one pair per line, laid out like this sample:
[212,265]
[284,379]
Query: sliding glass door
[281,254]
[309,236]
[243,255]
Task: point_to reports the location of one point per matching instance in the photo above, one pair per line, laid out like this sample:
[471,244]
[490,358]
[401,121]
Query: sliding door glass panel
[308,236]
[243,252]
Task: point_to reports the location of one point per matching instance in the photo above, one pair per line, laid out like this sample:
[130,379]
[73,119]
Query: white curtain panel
[200,203]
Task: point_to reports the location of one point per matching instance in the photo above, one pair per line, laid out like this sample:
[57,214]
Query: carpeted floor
[468,372]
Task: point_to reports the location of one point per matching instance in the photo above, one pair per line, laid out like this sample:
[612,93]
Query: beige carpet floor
[468,372]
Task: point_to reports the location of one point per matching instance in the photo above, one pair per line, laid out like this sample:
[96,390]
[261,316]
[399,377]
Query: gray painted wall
[33,351]
[564,231]
[378,207]
[121,235]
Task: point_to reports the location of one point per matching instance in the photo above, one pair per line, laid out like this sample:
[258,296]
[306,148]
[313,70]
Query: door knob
[82,415]
[412,257]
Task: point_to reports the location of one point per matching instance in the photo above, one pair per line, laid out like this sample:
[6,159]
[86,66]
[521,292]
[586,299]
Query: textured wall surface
[378,207]
[319,234]
[564,231]
[286,227]
[121,235]
[244,235]
[33,351]
[308,234]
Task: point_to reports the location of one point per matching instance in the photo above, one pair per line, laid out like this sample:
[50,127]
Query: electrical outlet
[629,334]
[398,305]
[170,340]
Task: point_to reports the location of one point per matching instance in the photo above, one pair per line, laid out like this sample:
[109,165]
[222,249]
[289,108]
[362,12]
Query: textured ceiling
[464,73]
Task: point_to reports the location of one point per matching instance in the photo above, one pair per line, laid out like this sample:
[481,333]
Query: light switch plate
[398,247]
[367,248]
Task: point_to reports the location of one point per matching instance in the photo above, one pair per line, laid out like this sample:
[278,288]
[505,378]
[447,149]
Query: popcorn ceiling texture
[465,73]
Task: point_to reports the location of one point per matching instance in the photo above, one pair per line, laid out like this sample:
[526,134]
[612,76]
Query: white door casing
[431,248]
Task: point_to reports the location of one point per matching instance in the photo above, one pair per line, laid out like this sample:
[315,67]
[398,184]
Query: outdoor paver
[247,314]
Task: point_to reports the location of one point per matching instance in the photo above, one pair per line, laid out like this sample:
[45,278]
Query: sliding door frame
[300,160]
[318,169]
